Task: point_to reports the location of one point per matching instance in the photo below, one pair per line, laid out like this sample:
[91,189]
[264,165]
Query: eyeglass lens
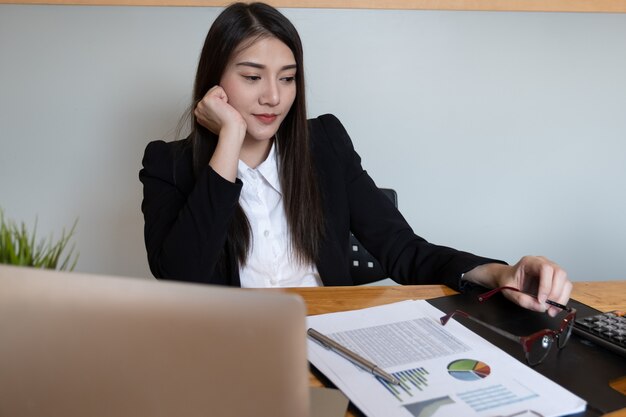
[540,346]
[539,349]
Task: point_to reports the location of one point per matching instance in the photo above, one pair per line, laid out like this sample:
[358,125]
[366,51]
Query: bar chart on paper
[410,379]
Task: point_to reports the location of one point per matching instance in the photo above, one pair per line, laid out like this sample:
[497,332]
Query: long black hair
[239,25]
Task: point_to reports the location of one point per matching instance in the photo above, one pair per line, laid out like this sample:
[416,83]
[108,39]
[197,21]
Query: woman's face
[260,84]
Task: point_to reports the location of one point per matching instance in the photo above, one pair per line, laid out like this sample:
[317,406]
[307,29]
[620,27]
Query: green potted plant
[20,247]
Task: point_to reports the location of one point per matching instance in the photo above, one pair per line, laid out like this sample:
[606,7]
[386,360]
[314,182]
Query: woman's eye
[289,79]
[252,77]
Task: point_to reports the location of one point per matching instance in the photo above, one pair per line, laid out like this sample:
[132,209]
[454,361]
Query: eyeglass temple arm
[501,332]
[489,294]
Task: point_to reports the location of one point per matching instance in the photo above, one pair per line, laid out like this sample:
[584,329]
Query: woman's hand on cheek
[215,113]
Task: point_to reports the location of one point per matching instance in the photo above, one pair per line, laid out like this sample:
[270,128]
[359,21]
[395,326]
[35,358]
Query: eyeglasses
[537,345]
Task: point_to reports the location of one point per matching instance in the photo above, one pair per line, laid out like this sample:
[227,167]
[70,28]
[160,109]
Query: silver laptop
[77,345]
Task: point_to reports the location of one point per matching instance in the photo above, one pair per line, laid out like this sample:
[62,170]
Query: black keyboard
[604,329]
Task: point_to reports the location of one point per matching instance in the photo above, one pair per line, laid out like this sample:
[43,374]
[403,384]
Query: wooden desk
[601,295]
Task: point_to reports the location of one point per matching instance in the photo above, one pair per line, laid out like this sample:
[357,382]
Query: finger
[213,89]
[201,106]
[546,281]
[203,109]
[217,92]
[535,277]
[222,94]
[197,113]
[214,92]
[200,112]
[562,293]
[560,288]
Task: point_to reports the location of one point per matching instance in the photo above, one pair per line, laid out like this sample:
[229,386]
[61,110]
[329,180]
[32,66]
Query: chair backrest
[364,268]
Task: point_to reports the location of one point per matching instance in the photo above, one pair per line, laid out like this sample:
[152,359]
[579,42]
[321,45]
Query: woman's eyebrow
[261,66]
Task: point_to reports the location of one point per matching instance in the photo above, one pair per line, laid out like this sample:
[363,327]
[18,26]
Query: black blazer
[186,218]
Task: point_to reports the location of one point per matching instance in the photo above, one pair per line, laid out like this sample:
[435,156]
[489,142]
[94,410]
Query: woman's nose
[270,95]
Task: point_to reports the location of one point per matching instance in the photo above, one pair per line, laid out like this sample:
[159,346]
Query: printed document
[444,370]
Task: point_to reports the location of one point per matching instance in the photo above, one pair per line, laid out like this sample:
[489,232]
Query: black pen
[329,343]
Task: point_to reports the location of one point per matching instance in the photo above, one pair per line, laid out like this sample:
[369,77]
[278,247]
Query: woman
[259,196]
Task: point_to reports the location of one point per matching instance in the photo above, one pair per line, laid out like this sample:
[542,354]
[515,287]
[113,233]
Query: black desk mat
[581,367]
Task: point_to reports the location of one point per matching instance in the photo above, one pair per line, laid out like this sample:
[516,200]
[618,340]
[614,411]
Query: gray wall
[503,133]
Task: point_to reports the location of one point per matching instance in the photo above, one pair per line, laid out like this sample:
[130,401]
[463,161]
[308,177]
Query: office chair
[364,268]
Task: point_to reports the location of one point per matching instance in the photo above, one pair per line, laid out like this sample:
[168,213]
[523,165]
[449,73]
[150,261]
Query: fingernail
[552,312]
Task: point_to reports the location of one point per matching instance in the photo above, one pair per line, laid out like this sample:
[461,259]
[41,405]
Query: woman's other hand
[531,274]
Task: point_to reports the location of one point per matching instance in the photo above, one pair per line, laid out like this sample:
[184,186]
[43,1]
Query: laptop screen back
[76,345]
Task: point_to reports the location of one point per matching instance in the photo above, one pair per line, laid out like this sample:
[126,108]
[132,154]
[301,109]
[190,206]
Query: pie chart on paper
[469,369]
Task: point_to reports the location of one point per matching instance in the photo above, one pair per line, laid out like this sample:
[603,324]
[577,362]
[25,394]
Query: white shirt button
[266,233]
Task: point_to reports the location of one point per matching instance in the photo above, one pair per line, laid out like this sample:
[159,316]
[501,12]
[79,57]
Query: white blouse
[270,262]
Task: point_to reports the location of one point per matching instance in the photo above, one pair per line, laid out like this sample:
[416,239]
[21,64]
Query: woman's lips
[266,118]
